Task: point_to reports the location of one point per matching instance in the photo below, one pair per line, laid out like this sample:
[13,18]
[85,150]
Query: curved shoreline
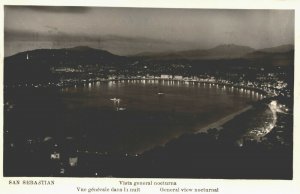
[83,82]
[184,81]
[200,129]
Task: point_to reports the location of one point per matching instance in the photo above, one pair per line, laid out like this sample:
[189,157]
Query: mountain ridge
[223,51]
[37,65]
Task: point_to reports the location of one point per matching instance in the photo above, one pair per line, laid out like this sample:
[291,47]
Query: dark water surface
[141,120]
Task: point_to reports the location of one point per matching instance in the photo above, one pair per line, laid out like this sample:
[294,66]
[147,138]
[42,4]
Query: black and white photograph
[128,92]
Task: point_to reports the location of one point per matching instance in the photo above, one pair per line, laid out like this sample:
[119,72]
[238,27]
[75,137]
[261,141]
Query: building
[163,76]
[178,77]
[73,161]
[55,156]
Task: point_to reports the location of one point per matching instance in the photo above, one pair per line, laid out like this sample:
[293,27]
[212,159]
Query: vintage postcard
[121,97]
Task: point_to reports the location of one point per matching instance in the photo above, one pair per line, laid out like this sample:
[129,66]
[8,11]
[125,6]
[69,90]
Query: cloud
[50,9]
[133,39]
[138,29]
[55,35]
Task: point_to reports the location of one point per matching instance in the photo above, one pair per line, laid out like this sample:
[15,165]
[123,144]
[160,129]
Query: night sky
[128,31]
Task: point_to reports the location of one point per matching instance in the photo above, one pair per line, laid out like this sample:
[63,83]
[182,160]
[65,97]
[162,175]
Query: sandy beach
[223,120]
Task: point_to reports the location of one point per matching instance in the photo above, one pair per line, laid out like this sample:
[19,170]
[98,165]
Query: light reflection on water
[181,107]
[126,87]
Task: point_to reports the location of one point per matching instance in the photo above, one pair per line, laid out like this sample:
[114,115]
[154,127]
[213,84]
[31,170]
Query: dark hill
[67,57]
[36,65]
